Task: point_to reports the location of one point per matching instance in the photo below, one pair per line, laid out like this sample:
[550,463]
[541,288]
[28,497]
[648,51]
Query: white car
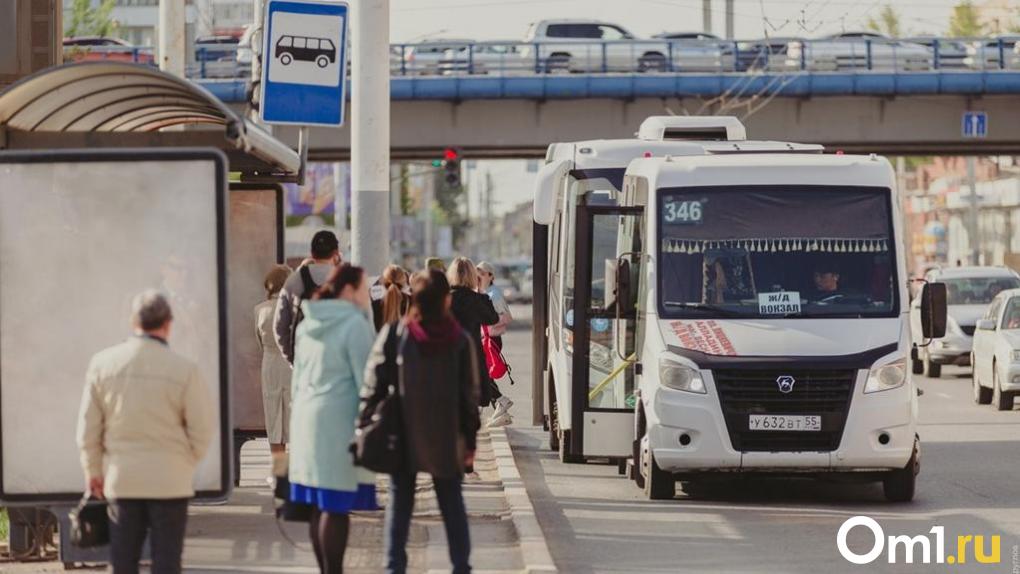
[996,355]
[849,51]
[969,291]
[592,46]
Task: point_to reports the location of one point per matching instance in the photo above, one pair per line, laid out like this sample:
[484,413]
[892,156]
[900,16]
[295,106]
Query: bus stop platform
[243,536]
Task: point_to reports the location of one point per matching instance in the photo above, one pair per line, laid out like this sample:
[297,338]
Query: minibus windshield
[776,252]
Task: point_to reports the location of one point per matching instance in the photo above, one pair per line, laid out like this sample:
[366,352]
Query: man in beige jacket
[145,423]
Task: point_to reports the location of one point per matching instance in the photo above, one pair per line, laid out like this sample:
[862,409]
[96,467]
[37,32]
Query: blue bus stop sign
[304,62]
[975,124]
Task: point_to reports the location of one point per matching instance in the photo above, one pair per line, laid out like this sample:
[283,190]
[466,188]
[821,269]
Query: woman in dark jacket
[472,310]
[437,381]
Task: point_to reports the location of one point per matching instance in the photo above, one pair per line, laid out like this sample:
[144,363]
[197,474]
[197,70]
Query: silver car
[952,52]
[699,51]
[969,291]
[858,51]
[485,58]
[1002,53]
[423,59]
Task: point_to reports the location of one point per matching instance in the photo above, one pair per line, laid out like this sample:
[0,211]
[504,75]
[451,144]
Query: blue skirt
[338,501]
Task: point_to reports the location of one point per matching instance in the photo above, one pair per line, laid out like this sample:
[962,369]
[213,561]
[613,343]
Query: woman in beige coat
[275,370]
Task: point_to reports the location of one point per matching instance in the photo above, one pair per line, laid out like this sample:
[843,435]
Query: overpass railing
[786,56]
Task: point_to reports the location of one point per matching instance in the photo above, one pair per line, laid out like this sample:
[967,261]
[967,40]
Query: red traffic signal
[450,154]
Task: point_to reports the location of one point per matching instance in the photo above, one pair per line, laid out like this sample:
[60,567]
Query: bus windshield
[776,251]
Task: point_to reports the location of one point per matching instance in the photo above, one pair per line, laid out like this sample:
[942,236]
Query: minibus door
[602,405]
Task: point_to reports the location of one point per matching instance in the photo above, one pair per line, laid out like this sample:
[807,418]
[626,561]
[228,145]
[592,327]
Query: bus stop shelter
[119,105]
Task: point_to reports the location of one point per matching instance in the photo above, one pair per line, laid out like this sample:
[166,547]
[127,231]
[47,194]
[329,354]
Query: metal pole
[729,20]
[256,58]
[171,37]
[975,229]
[340,202]
[706,16]
[429,194]
[370,135]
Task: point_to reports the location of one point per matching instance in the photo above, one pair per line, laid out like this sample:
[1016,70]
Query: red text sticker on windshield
[705,336]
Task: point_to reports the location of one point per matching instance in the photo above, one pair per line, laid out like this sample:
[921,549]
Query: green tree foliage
[888,22]
[90,20]
[965,21]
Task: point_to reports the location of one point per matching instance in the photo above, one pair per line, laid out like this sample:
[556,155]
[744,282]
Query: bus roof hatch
[710,128]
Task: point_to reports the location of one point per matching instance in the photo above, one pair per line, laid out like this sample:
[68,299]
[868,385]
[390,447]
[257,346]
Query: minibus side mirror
[618,288]
[934,310]
[986,325]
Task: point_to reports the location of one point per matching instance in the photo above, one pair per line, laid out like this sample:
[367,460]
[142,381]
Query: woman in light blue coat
[333,343]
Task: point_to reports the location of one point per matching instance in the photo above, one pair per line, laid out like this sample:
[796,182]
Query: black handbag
[90,523]
[378,443]
[288,510]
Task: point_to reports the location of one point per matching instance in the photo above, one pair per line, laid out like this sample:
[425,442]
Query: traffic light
[451,165]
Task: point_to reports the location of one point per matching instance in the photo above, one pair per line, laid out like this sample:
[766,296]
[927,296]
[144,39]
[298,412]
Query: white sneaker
[500,420]
[503,405]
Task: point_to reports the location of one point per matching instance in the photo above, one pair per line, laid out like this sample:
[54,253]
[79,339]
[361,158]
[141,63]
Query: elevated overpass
[519,115]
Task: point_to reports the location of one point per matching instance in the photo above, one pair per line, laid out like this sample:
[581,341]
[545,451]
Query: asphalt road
[598,521]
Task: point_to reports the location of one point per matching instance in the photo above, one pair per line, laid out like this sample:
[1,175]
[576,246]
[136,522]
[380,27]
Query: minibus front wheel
[899,485]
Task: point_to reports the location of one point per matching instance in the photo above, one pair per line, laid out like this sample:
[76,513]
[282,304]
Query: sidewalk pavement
[243,536]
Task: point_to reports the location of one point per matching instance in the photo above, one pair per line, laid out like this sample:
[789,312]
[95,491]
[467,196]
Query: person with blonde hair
[394,298]
[472,310]
[275,369]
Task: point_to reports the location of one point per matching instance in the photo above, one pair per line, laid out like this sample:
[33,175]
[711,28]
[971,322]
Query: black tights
[328,531]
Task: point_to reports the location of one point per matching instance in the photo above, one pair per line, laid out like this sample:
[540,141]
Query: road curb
[534,550]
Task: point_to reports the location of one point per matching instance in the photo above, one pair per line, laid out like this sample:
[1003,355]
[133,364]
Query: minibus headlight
[680,377]
[888,376]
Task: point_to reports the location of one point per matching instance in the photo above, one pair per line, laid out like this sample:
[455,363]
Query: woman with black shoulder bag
[433,369]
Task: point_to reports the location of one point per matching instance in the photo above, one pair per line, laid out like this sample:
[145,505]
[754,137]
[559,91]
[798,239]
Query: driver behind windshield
[826,281]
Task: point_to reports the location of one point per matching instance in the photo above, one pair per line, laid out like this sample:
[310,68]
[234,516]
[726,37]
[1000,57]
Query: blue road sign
[304,62]
[975,124]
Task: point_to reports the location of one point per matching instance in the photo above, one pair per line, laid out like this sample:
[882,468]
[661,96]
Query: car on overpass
[699,51]
[763,54]
[858,51]
[996,355]
[104,48]
[424,58]
[490,57]
[969,291]
[591,46]
[952,52]
[1001,53]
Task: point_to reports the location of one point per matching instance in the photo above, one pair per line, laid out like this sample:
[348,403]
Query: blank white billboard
[255,246]
[80,234]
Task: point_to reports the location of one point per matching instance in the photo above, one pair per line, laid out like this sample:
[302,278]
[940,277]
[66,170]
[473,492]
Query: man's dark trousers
[132,519]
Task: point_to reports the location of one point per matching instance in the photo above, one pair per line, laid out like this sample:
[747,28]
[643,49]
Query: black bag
[378,443]
[289,510]
[308,289]
[90,523]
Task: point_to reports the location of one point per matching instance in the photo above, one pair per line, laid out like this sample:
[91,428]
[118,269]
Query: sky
[413,20]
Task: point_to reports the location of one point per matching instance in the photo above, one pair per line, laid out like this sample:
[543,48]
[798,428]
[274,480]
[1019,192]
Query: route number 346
[683,212]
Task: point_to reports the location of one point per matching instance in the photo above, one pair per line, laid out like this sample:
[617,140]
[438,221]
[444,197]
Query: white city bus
[680,321]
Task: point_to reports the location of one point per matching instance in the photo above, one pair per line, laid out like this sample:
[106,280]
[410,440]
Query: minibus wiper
[703,307]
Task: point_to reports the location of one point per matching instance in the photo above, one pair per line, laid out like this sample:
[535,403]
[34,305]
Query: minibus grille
[743,392]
